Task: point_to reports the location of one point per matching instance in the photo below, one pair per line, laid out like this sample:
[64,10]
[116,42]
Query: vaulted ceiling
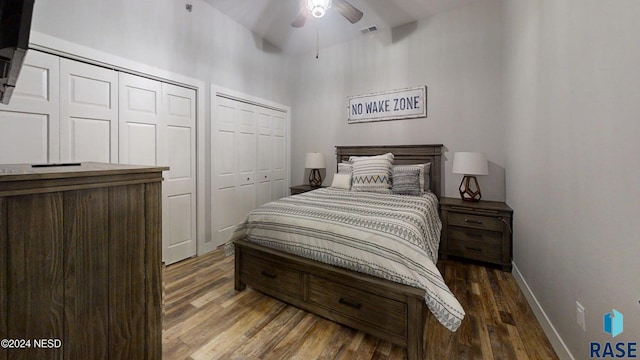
[271,19]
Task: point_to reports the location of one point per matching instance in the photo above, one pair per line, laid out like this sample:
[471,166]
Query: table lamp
[315,162]
[470,164]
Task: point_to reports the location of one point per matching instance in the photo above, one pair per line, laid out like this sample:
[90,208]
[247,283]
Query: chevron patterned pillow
[372,173]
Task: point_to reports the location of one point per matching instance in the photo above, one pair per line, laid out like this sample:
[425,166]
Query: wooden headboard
[403,154]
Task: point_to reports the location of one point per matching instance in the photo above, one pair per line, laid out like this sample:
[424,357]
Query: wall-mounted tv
[15,26]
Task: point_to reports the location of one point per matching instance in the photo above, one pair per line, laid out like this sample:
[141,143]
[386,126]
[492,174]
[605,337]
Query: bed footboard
[390,311]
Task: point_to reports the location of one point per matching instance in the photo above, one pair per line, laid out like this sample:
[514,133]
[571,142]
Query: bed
[387,301]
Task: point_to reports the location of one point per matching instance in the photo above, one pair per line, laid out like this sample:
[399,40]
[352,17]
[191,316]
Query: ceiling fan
[317,9]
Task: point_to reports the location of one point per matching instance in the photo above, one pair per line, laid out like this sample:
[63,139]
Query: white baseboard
[554,338]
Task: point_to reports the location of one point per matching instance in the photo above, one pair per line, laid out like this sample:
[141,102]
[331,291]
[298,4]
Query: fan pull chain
[317,39]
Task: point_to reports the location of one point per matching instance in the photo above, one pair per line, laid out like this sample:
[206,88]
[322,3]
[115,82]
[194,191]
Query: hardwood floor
[205,318]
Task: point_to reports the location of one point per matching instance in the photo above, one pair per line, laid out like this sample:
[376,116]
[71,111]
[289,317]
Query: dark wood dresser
[476,230]
[80,261]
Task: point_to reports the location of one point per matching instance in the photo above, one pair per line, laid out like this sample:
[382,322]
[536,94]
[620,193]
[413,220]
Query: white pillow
[372,173]
[341,181]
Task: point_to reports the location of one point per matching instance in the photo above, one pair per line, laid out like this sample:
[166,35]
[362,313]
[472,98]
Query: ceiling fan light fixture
[318,8]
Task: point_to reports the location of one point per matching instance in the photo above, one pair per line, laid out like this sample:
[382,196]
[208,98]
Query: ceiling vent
[370,29]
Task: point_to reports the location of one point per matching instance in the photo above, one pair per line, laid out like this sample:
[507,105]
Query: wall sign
[388,105]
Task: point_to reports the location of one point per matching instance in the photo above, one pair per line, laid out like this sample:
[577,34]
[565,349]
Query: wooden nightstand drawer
[475,221]
[359,305]
[478,244]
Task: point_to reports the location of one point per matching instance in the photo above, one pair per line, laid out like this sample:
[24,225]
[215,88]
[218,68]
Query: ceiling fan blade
[300,20]
[348,11]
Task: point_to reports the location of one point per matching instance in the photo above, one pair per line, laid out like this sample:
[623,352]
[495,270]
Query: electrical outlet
[580,316]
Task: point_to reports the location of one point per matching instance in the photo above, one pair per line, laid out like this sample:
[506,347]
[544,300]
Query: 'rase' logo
[613,323]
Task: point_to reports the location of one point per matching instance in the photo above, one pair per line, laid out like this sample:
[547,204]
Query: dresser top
[20,172]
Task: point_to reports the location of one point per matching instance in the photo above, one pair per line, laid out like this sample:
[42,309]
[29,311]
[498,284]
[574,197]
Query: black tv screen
[15,27]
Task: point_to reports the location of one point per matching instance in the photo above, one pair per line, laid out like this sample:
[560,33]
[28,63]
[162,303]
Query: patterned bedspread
[394,237]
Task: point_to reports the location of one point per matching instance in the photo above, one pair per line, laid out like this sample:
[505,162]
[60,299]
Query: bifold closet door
[179,185]
[88,113]
[225,212]
[272,151]
[236,166]
[68,111]
[29,125]
[249,162]
[158,127]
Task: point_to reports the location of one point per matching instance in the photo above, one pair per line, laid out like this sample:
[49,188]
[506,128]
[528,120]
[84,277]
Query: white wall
[203,44]
[456,54]
[572,116]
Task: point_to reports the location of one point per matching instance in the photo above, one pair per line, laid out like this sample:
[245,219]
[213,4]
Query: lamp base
[468,191]
[315,179]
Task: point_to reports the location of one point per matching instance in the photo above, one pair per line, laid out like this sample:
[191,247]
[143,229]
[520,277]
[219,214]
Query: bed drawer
[475,221]
[477,244]
[376,310]
[272,276]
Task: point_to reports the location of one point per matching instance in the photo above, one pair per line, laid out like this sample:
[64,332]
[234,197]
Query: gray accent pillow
[406,182]
[425,171]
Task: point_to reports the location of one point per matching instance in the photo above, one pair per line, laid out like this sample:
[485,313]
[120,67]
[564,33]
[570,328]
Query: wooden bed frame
[388,310]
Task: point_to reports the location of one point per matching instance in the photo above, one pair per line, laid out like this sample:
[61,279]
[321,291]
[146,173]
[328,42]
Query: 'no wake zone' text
[389,105]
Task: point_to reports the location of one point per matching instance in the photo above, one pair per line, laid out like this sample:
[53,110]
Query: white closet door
[141,125]
[224,184]
[88,113]
[179,186]
[249,156]
[272,155]
[235,149]
[246,159]
[279,165]
[265,155]
[29,125]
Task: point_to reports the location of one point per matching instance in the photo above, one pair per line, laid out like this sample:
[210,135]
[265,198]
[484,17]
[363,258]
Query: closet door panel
[246,153]
[29,126]
[265,155]
[140,121]
[89,140]
[279,172]
[140,145]
[88,112]
[280,158]
[246,150]
[179,187]
[224,182]
[24,138]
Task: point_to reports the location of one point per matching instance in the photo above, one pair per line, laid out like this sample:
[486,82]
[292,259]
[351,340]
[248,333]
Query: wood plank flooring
[205,318]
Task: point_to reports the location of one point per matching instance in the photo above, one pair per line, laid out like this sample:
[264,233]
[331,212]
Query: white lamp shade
[314,160]
[470,163]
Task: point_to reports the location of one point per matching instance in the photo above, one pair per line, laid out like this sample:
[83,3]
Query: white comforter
[394,237]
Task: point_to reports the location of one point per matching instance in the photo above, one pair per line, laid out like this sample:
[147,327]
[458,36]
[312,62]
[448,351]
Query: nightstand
[299,189]
[476,230]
